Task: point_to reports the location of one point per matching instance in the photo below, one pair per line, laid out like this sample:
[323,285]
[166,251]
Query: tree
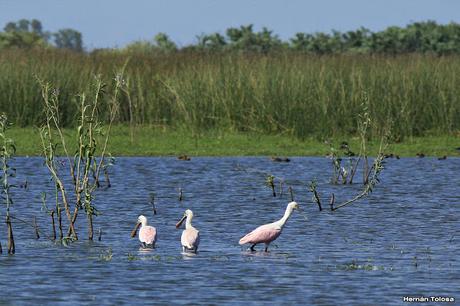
[24,34]
[163,42]
[214,42]
[68,39]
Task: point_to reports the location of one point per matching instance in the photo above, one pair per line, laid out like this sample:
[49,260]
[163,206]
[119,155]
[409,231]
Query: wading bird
[190,238]
[268,232]
[147,234]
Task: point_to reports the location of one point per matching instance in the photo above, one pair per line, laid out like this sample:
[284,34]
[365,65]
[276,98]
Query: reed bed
[288,93]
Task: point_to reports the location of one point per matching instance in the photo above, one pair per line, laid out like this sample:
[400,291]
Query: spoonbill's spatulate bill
[147,234]
[190,238]
[268,232]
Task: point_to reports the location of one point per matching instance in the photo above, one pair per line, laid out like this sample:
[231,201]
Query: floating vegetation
[156,257]
[106,255]
[355,265]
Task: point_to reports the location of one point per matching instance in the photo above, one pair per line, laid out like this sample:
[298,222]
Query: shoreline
[150,141]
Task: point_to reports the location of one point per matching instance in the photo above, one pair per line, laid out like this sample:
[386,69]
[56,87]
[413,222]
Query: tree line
[26,34]
[426,37]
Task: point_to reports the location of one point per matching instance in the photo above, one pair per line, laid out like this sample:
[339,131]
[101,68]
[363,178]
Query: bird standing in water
[190,238]
[268,232]
[147,233]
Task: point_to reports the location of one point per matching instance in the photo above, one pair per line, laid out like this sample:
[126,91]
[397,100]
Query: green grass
[288,93]
[150,141]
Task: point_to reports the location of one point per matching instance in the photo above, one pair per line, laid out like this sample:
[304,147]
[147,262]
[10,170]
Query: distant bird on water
[190,238]
[268,232]
[147,233]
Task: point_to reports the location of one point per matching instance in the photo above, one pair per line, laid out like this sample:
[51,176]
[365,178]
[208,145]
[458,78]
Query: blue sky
[110,23]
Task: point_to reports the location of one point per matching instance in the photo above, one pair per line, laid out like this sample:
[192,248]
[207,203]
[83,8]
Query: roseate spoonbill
[268,232]
[147,234]
[190,238]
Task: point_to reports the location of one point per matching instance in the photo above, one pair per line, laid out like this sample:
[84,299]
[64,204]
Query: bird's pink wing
[262,234]
[190,238]
[148,234]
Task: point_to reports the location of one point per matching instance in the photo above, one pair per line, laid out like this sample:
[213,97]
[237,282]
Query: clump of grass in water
[7,150]
[106,255]
[132,257]
[270,182]
[84,167]
[354,265]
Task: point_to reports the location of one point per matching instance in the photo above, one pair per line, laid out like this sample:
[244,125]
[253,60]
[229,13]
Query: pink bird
[268,232]
[147,234]
[190,238]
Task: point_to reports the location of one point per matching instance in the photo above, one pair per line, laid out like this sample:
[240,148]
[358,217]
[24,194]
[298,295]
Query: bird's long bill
[134,231]
[181,221]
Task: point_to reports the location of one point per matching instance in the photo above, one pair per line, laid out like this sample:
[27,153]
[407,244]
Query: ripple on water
[403,240]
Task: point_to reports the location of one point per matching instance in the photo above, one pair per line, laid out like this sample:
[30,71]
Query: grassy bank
[148,141]
[289,93]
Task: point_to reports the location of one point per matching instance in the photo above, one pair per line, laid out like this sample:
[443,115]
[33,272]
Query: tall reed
[288,92]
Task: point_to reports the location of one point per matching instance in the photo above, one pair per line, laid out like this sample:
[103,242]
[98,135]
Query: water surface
[402,240]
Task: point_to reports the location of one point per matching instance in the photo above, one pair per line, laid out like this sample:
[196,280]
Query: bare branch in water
[315,197]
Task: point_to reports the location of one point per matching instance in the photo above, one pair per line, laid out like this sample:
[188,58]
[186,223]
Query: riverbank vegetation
[150,141]
[247,84]
[292,94]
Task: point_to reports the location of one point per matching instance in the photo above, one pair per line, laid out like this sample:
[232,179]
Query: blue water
[401,240]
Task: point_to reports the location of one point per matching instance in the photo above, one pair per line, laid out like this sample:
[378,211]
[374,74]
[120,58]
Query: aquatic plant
[85,165]
[371,179]
[152,202]
[291,193]
[7,150]
[345,167]
[106,255]
[270,182]
[370,174]
[355,265]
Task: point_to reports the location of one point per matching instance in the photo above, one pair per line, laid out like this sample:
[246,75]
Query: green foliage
[421,37]
[161,44]
[291,94]
[7,150]
[90,155]
[153,141]
[28,34]
[68,39]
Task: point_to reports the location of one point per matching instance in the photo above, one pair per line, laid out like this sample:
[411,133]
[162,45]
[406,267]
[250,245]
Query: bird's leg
[144,245]
[252,247]
[266,247]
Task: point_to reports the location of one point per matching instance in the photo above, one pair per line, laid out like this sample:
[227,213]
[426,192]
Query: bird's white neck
[144,223]
[188,222]
[286,216]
